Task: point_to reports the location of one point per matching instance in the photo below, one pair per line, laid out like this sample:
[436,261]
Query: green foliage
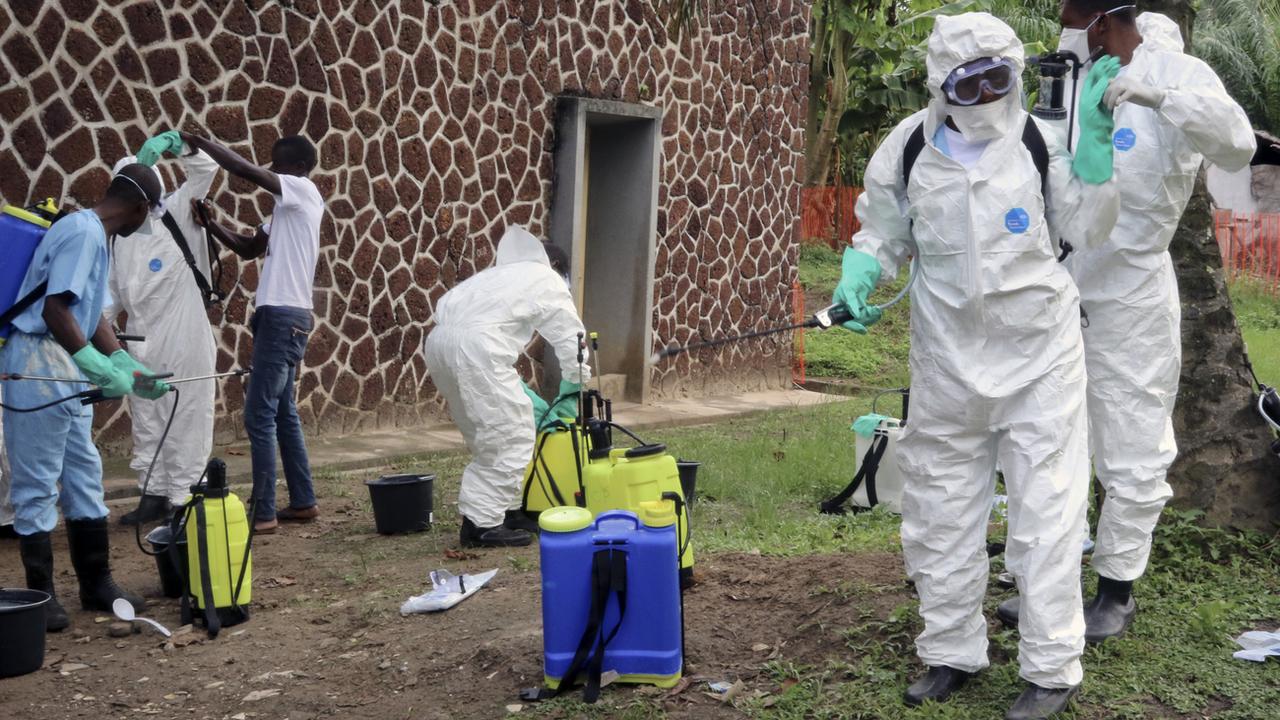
[1240,39]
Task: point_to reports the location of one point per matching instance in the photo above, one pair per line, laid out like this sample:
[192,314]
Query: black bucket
[688,479]
[170,574]
[401,503]
[21,631]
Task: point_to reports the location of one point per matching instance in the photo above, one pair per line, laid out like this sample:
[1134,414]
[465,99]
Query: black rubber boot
[37,559]
[1007,612]
[520,520]
[937,685]
[91,557]
[8,533]
[1111,612]
[151,508]
[497,536]
[1037,703]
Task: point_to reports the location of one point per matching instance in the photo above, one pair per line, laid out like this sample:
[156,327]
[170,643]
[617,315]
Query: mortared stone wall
[435,124]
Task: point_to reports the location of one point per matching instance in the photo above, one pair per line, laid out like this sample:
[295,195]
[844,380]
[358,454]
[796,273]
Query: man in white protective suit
[981,195]
[152,282]
[482,326]
[1171,113]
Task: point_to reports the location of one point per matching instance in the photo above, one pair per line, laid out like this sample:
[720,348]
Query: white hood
[959,39]
[519,245]
[1160,32]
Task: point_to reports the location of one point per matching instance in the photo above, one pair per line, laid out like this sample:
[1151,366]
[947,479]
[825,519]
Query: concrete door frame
[568,225]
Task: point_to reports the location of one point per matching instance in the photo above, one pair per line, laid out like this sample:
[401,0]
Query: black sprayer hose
[46,406]
[137,528]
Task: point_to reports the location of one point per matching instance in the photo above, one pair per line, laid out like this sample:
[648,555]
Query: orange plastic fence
[827,216]
[1250,245]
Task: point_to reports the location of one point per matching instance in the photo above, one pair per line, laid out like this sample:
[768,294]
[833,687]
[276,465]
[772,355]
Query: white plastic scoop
[124,610]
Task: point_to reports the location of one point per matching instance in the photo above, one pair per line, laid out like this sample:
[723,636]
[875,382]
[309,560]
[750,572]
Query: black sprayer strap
[911,152]
[209,295]
[1032,140]
[212,624]
[581,496]
[867,472]
[537,452]
[23,303]
[608,576]
[178,524]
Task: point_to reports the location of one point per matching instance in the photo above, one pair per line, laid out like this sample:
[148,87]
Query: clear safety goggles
[965,84]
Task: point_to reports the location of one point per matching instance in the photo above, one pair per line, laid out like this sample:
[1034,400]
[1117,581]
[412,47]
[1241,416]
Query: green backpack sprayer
[219,562]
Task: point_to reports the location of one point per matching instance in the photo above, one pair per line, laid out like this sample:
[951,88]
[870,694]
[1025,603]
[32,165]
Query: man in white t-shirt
[282,319]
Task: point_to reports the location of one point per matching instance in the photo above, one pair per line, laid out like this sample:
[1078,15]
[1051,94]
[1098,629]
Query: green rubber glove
[566,407]
[540,407]
[149,390]
[867,424]
[1093,161]
[102,372]
[859,273]
[152,149]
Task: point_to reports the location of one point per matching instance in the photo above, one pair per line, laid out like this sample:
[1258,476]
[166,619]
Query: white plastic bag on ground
[1258,645]
[447,590]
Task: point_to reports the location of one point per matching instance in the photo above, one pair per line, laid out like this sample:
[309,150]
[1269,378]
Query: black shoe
[937,685]
[151,508]
[1111,612]
[497,536]
[1037,703]
[1007,612]
[91,557]
[37,560]
[520,520]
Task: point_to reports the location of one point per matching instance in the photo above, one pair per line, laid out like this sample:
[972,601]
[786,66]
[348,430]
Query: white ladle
[124,610]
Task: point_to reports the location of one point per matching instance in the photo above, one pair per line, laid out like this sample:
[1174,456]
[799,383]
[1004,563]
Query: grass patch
[876,359]
[1258,313]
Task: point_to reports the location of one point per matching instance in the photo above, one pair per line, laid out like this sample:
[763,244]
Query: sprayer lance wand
[823,319]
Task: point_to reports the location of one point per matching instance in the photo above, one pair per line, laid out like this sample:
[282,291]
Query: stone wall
[435,125]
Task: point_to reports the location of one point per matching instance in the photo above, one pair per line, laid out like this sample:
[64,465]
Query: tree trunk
[822,140]
[1224,466]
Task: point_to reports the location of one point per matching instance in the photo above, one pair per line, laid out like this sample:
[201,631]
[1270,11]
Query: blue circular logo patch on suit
[155,265]
[1125,139]
[1018,221]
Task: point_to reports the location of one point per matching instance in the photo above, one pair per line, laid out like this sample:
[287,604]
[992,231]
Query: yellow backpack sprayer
[577,465]
[219,553]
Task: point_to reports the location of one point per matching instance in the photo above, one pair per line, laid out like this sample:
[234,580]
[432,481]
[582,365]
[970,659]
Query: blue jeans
[270,415]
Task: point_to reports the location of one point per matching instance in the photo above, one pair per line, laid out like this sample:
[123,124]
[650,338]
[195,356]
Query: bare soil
[326,638]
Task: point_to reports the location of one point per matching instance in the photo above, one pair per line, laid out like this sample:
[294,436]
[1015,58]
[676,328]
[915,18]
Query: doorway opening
[604,214]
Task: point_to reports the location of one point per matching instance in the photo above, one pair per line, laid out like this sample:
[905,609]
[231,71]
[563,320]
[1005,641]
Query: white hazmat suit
[482,326]
[1133,343]
[151,281]
[997,367]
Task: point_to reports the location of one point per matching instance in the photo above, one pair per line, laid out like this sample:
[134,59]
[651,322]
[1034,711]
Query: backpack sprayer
[825,318]
[1051,101]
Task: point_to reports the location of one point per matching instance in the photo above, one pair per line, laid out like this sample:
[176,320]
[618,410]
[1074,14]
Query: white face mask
[1075,40]
[979,123]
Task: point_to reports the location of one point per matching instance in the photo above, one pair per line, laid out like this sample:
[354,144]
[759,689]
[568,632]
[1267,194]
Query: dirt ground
[326,638]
